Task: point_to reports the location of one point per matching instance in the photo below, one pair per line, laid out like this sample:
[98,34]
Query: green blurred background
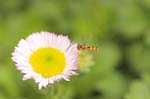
[120,28]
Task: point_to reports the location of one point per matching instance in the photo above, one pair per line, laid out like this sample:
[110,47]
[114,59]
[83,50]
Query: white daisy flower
[46,57]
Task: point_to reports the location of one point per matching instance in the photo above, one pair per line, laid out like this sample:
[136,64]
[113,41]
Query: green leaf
[138,90]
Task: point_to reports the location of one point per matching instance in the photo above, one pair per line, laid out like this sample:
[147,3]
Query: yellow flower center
[48,61]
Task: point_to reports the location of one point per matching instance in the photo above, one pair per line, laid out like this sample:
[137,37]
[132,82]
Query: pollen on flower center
[48,61]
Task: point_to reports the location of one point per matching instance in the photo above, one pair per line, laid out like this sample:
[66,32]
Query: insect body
[86,47]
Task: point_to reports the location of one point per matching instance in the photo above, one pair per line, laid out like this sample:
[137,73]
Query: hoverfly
[87,47]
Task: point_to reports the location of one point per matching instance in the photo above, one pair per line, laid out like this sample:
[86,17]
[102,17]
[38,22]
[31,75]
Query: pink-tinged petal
[71,58]
[58,78]
[62,43]
[72,65]
[70,73]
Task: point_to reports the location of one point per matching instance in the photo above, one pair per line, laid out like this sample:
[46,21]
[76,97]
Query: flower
[85,61]
[46,58]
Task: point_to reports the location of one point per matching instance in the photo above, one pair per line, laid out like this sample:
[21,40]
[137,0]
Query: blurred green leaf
[108,58]
[113,86]
[139,56]
[7,82]
[138,90]
[132,21]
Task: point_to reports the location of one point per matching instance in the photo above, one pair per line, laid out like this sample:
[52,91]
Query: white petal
[43,83]
[65,77]
[50,80]
[27,76]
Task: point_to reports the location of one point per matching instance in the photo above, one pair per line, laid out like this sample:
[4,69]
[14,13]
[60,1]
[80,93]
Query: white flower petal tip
[46,57]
